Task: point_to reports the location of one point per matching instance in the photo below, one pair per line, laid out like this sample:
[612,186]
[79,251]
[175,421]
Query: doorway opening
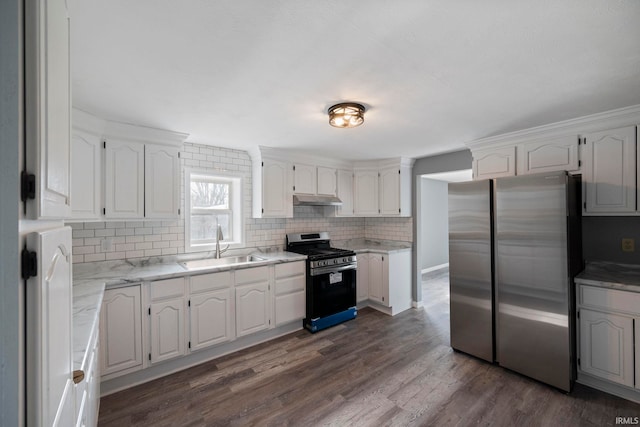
[432,232]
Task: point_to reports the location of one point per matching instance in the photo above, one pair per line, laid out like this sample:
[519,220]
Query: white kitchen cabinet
[609,172]
[494,163]
[327,181]
[86,175]
[548,155]
[378,278]
[606,346]
[121,331]
[211,315]
[365,190]
[167,319]
[253,304]
[345,192]
[275,190]
[161,183]
[289,292]
[362,277]
[87,391]
[390,191]
[304,179]
[124,179]
[48,107]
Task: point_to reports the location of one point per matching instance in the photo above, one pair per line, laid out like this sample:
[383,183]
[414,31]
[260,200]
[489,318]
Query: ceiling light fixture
[346,115]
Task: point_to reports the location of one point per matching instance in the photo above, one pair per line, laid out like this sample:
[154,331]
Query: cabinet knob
[78,376]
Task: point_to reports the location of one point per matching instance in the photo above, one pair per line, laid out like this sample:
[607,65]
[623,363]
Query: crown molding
[620,117]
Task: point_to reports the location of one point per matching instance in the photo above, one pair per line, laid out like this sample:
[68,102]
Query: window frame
[235,209]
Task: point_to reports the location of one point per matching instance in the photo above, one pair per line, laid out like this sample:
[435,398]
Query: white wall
[434,214]
[142,239]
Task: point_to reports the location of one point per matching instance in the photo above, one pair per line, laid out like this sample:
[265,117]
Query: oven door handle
[332,269]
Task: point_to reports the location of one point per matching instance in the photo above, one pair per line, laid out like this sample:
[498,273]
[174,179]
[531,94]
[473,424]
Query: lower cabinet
[87,391]
[385,280]
[167,319]
[121,330]
[252,300]
[609,341]
[289,292]
[606,346]
[211,321]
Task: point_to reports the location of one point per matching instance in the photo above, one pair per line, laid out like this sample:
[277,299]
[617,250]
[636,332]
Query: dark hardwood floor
[372,371]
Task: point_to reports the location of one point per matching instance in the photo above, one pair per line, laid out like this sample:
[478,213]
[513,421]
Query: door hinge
[294,188]
[178,154]
[379,211]
[189,303]
[399,211]
[262,164]
[579,163]
[178,211]
[382,298]
[29,264]
[149,311]
[189,344]
[269,321]
[149,356]
[585,205]
[104,211]
[398,171]
[262,210]
[578,361]
[378,174]
[27,186]
[294,167]
[104,144]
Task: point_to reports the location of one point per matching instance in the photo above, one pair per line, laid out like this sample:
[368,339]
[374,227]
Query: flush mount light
[346,115]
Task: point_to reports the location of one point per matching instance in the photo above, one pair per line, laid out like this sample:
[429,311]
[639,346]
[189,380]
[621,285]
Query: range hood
[309,200]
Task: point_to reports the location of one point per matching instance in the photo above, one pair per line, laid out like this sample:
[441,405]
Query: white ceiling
[433,74]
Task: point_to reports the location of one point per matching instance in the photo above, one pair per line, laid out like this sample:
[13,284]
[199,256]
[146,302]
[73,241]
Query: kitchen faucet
[219,237]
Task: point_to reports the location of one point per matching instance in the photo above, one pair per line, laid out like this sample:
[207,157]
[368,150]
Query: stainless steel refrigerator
[514,248]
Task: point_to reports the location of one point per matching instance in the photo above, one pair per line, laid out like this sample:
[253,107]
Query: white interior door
[50,399]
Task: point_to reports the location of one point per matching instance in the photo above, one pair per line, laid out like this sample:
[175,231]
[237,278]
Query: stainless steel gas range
[331,280]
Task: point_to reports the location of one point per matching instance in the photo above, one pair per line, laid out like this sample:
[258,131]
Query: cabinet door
[606,346]
[494,163]
[558,154]
[49,344]
[48,100]
[289,290]
[211,318]
[362,277]
[161,183]
[167,330]
[124,179]
[276,196]
[326,181]
[390,191]
[304,180]
[345,193]
[120,330]
[252,308]
[366,193]
[376,278]
[86,176]
[609,171]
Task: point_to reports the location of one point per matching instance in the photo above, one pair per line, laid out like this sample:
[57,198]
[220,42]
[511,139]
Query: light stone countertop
[625,277]
[91,279]
[372,245]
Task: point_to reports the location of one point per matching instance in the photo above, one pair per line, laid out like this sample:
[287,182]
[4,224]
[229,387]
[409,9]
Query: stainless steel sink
[216,262]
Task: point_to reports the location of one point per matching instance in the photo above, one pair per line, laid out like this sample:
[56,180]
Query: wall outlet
[628,245]
[106,244]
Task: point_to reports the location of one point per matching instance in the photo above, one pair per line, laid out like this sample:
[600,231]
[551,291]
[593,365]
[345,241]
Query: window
[212,199]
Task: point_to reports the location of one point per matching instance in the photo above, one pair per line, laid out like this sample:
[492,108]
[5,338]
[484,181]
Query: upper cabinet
[123,171]
[494,163]
[345,192]
[327,181]
[548,155]
[308,179]
[383,188]
[609,172]
[48,107]
[272,189]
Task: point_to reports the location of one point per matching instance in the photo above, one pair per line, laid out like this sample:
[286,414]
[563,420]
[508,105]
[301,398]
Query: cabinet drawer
[290,284]
[209,282]
[610,299]
[290,269]
[252,275]
[168,288]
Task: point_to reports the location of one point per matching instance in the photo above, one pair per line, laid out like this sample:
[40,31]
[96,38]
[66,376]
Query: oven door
[331,290]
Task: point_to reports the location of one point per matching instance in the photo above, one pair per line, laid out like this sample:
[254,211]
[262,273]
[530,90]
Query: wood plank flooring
[375,370]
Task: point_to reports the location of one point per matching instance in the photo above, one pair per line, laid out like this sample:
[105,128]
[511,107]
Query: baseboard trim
[608,387]
[417,304]
[434,268]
